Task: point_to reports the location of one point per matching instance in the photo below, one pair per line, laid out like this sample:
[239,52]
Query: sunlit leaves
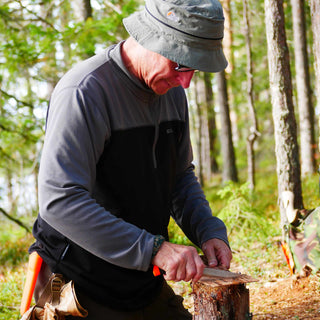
[39,41]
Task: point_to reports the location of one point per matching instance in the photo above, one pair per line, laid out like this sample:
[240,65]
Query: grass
[14,243]
[11,285]
[252,221]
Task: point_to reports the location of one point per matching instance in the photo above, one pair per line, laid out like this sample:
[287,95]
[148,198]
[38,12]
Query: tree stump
[215,302]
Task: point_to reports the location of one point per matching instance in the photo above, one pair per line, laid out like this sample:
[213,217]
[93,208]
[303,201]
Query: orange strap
[288,256]
[34,266]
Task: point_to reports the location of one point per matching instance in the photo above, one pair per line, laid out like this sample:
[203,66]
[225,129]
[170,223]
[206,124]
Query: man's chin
[161,91]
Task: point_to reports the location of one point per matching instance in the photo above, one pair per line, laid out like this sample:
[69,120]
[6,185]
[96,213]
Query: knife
[217,276]
[214,272]
[224,277]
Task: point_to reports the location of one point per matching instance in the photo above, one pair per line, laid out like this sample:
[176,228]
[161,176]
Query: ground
[277,294]
[289,298]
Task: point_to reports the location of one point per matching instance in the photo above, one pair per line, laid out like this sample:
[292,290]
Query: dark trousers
[167,306]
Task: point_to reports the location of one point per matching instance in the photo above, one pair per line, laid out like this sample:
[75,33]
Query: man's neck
[130,56]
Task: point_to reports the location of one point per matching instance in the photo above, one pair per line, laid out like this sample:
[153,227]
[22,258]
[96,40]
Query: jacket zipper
[157,113]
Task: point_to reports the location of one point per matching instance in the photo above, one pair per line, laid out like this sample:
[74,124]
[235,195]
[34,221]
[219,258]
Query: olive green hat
[188,32]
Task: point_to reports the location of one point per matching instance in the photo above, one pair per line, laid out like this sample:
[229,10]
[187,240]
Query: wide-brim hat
[187,32]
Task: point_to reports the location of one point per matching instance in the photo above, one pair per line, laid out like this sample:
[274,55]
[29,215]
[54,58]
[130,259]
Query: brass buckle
[56,284]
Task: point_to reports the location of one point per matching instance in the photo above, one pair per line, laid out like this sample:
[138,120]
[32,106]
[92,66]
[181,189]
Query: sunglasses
[182,68]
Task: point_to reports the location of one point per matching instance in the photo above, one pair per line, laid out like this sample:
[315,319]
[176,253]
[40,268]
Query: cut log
[213,301]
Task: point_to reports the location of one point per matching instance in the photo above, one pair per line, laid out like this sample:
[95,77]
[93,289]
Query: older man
[117,163]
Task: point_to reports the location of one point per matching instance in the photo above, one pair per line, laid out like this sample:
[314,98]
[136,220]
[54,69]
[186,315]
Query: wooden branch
[5,154]
[26,104]
[17,221]
[38,18]
[113,7]
[20,133]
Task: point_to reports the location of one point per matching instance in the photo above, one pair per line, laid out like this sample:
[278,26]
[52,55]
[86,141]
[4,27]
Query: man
[117,163]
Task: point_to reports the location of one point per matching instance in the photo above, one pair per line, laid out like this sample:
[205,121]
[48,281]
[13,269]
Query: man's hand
[217,253]
[179,262]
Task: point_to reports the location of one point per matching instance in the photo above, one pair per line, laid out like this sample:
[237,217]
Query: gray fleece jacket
[116,164]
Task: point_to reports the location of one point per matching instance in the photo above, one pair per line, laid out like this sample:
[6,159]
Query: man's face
[160,75]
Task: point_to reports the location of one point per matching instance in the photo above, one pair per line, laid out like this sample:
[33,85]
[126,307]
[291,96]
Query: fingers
[192,269]
[183,262]
[218,253]
[179,262]
[225,258]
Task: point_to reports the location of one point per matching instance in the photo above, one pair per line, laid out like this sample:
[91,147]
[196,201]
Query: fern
[242,218]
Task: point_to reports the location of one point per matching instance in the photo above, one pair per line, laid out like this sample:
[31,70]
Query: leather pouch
[57,301]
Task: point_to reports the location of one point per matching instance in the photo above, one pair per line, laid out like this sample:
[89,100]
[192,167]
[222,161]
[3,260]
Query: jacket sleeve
[77,128]
[191,210]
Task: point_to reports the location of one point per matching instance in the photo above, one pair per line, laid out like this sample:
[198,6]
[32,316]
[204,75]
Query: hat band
[189,34]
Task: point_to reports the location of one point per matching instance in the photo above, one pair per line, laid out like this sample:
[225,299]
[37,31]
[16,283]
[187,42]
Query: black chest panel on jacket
[135,179]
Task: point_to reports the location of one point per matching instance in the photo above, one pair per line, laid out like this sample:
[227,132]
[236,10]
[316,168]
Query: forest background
[254,127]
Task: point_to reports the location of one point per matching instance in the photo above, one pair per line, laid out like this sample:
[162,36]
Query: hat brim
[197,53]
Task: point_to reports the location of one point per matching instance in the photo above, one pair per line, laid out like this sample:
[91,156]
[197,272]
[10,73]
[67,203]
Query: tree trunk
[211,122]
[253,130]
[228,50]
[12,200]
[286,146]
[306,112]
[229,171]
[315,20]
[227,40]
[84,9]
[204,141]
[220,303]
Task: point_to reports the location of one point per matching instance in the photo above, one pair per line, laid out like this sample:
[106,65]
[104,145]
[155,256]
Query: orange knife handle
[34,266]
[156,271]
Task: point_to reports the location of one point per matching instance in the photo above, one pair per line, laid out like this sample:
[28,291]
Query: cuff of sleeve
[158,240]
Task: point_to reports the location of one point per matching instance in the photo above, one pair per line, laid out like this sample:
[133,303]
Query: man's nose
[185,78]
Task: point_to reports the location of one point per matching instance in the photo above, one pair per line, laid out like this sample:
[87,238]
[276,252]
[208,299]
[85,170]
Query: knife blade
[224,277]
[214,272]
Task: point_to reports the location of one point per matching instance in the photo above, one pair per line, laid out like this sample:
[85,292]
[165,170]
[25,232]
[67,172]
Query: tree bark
[84,9]
[286,146]
[228,36]
[306,112]
[220,303]
[253,130]
[315,21]
[204,141]
[229,170]
[228,50]
[211,122]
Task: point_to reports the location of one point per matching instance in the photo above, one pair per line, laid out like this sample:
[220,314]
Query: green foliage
[250,217]
[242,218]
[176,235]
[11,285]
[39,42]
[14,244]
[311,190]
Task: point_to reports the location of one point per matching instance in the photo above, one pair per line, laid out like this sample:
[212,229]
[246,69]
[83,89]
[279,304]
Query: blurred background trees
[272,80]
